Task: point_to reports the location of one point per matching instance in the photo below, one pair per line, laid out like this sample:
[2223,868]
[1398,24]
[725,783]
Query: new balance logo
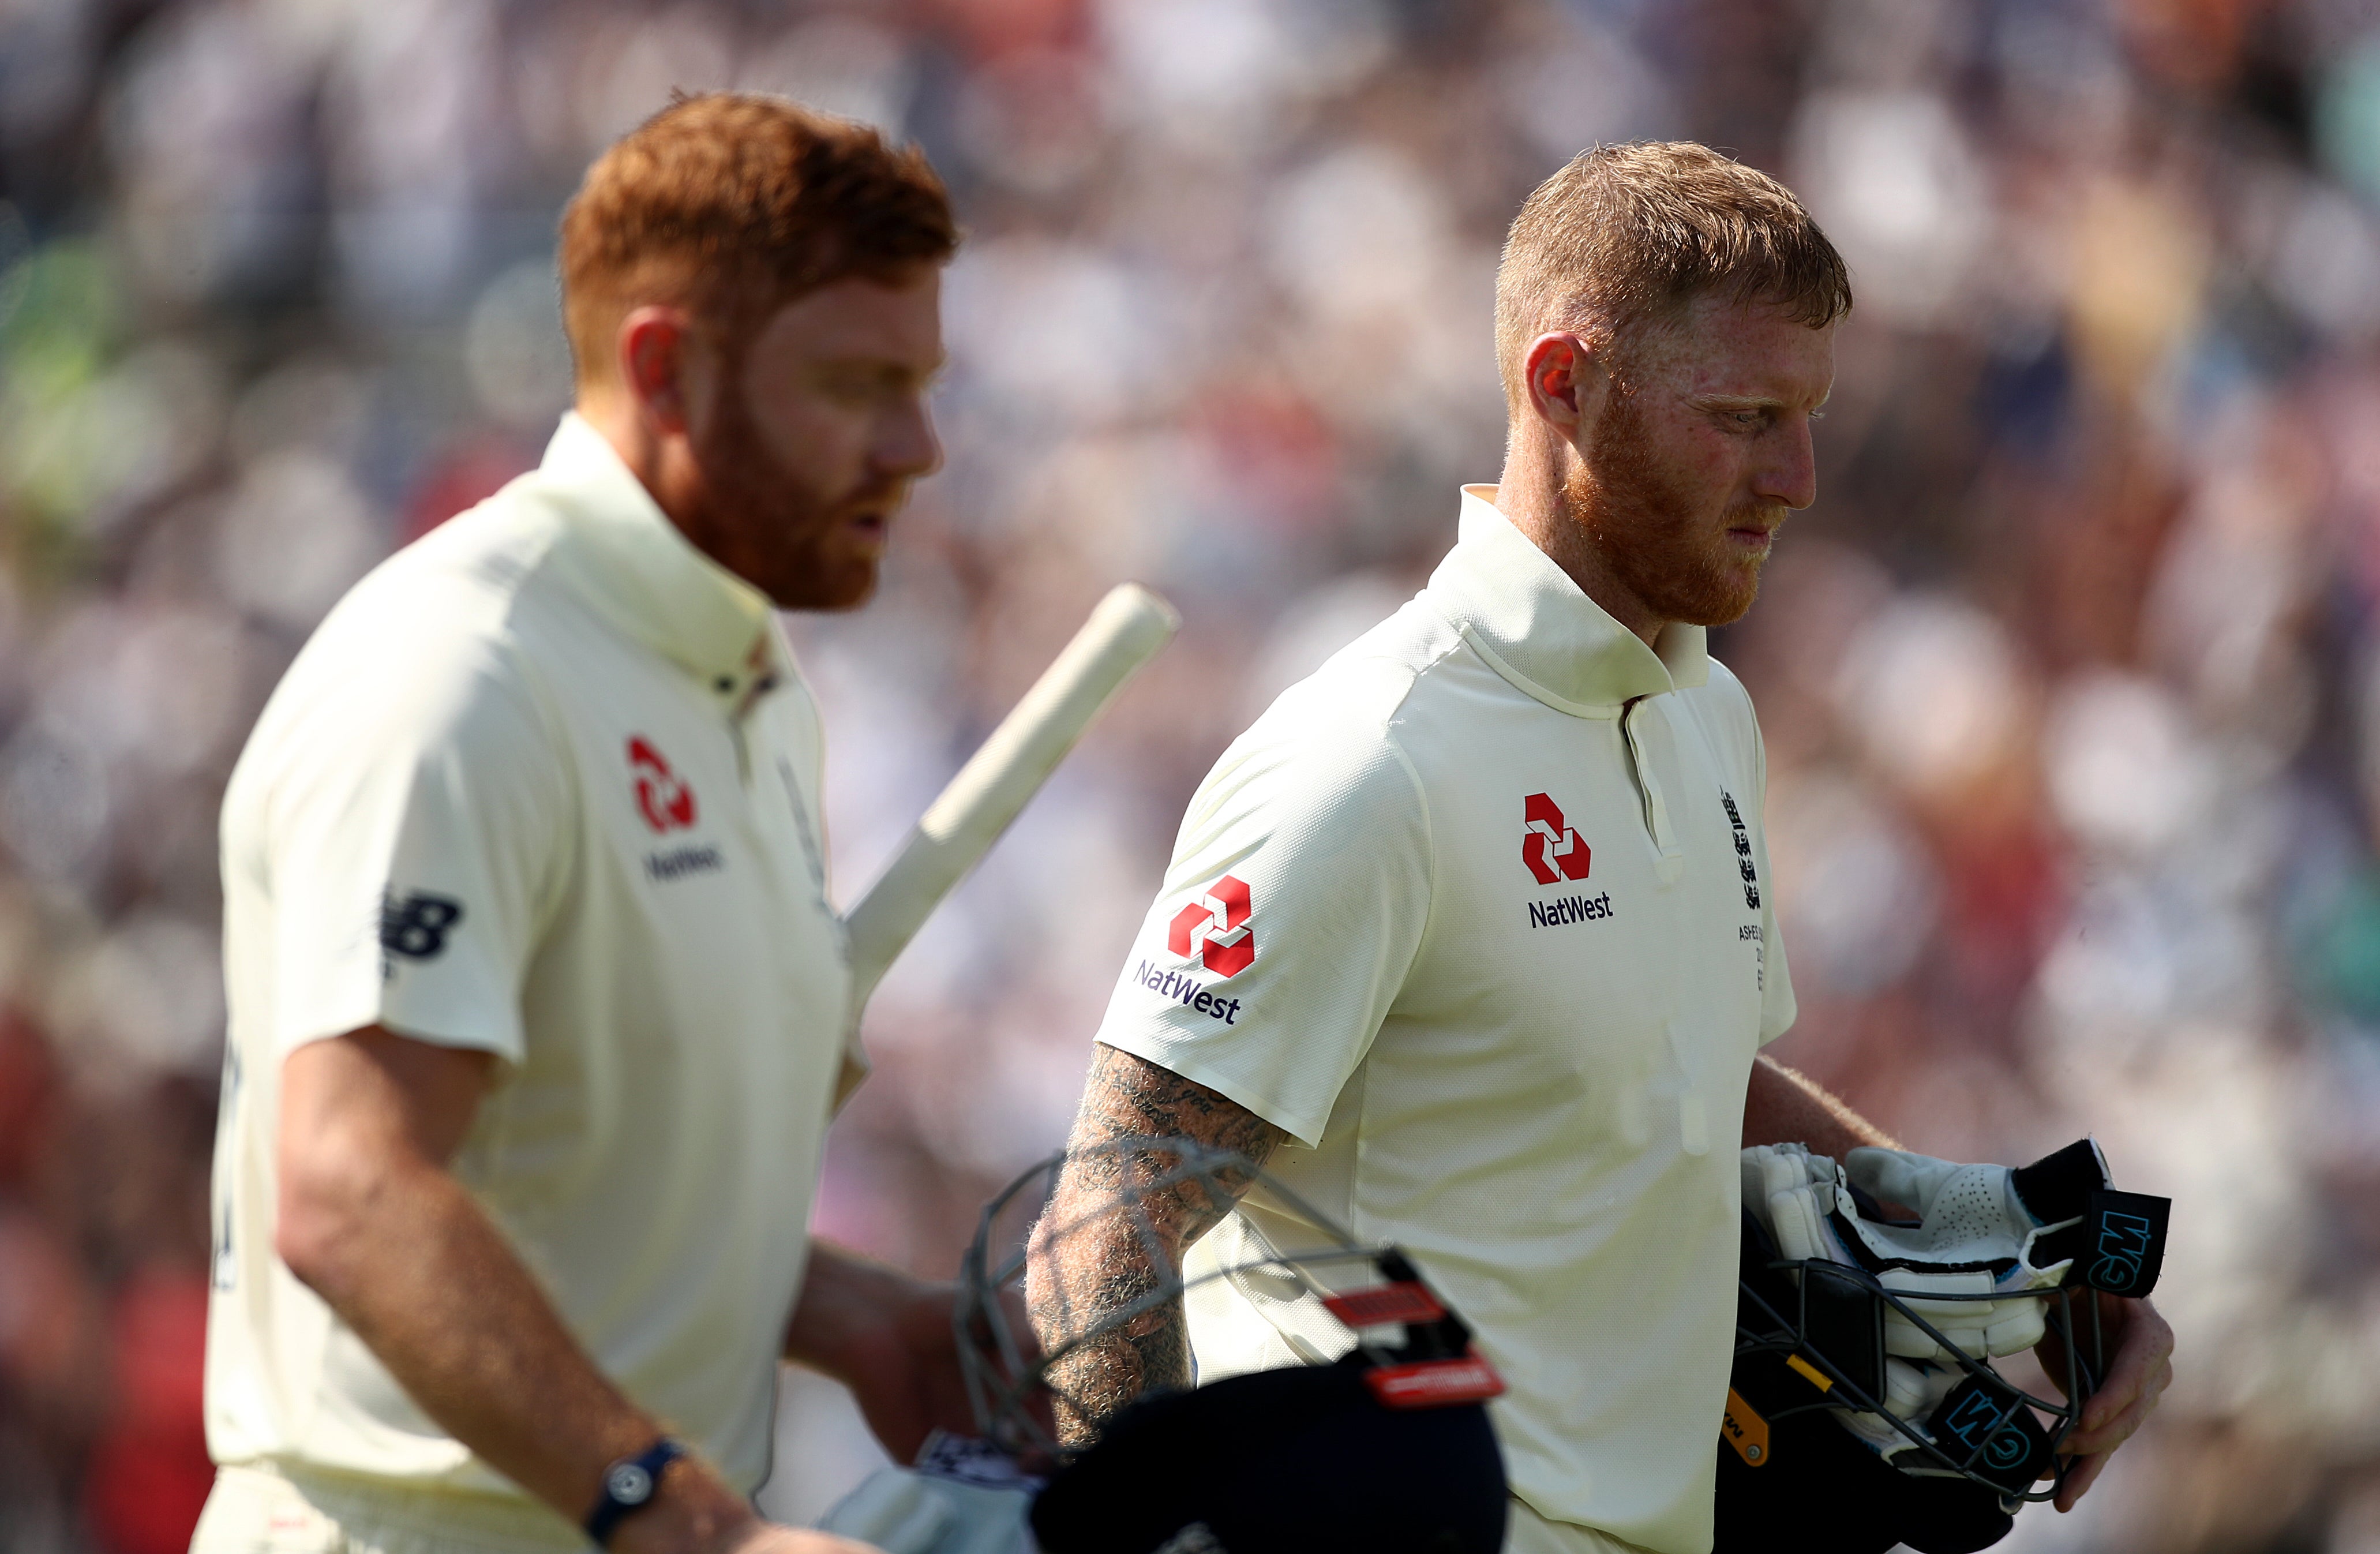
[1215,928]
[1552,851]
[414,926]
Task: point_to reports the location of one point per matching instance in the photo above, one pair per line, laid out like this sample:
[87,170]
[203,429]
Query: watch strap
[629,1485]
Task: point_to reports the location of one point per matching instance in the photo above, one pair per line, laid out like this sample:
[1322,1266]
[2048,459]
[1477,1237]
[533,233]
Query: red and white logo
[1217,925]
[665,802]
[1552,851]
[1435,1383]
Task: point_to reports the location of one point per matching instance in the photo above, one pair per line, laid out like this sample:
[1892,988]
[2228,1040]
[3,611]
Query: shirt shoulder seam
[1430,848]
[1421,797]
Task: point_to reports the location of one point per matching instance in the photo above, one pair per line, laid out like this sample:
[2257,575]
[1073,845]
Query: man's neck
[662,466]
[1530,497]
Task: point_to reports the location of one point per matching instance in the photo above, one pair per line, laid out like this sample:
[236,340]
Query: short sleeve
[1294,909]
[409,833]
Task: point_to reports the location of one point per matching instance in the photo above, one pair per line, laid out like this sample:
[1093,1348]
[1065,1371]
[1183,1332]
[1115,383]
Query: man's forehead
[862,318]
[1721,346]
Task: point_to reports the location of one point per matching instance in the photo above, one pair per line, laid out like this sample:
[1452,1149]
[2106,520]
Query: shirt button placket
[1670,863]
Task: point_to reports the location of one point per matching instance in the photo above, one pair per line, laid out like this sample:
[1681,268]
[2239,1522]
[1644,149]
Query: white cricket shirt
[544,785]
[1480,914]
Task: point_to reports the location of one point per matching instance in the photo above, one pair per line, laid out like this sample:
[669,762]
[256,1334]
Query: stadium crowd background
[2071,680]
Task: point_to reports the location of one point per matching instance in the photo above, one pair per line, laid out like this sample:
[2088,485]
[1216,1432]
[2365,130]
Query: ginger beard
[764,522]
[1659,537]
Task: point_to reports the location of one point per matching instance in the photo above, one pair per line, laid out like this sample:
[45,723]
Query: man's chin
[828,590]
[1721,601]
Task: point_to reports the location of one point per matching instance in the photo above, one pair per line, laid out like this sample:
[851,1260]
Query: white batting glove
[1912,1390]
[1975,1237]
[969,1499]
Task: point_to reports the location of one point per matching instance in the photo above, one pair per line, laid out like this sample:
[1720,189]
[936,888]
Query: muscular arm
[1091,1273]
[371,1219]
[890,1338]
[1784,1106]
[1098,1267]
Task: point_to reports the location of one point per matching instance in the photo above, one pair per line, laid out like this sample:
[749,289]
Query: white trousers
[267,1510]
[1528,1533]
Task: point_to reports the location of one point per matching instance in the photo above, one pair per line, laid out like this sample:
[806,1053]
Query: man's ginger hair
[1625,236]
[731,204]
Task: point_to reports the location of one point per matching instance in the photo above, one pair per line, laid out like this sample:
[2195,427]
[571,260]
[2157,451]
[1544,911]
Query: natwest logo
[1548,847]
[1217,924]
[665,802]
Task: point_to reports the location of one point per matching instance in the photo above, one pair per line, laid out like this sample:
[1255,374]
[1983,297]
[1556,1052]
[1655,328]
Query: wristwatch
[628,1485]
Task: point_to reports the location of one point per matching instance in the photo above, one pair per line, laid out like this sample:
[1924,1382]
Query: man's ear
[1568,382]
[657,353]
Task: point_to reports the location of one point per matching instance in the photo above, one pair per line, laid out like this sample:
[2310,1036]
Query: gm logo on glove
[2127,1242]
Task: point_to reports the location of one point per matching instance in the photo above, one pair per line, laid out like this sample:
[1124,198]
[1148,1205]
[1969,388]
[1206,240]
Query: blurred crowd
[2070,680]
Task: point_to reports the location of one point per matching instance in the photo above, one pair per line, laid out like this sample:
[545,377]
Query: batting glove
[965,1497]
[1976,1237]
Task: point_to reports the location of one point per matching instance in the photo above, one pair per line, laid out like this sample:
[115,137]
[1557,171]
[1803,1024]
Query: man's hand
[767,1537]
[892,1340]
[695,1512]
[905,1371]
[2138,1376]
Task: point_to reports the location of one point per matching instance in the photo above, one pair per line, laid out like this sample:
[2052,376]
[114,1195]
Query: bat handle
[1124,633]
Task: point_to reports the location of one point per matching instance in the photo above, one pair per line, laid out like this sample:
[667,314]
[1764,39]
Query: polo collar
[623,553]
[1542,632]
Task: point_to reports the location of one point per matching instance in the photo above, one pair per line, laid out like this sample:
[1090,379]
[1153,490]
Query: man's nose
[1789,466]
[906,446]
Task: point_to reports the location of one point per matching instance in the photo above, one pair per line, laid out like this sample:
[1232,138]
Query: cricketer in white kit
[1471,937]
[545,787]
[539,1008]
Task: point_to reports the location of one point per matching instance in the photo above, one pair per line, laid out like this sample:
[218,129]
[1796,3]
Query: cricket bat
[1124,633]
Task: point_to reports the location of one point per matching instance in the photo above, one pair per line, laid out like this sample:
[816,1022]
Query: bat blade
[1124,633]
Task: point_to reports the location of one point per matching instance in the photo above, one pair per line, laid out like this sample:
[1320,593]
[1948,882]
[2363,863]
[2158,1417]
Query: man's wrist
[693,1511]
[629,1484]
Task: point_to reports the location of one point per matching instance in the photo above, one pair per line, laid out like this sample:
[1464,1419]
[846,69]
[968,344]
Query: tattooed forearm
[1106,1261]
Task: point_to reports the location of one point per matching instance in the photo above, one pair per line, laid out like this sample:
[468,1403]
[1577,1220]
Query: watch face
[629,1484]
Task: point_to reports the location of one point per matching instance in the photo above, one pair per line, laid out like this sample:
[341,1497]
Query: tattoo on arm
[1087,1265]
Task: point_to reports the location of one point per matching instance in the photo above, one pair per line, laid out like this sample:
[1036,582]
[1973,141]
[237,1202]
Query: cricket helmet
[1862,1399]
[1387,1449]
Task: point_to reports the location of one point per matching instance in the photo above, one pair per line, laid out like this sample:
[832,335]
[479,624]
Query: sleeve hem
[506,1044]
[1307,1130]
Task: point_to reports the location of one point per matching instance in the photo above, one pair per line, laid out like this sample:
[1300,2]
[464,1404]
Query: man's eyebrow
[1749,401]
[886,366]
